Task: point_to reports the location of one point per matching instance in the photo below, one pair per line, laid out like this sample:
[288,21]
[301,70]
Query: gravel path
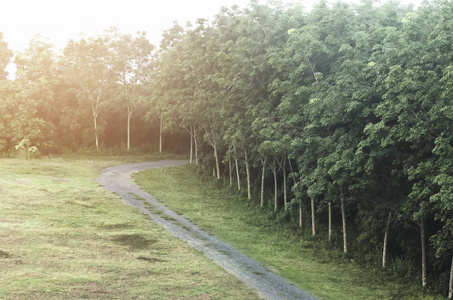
[270,286]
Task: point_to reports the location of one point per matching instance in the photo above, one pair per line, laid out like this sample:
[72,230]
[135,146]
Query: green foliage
[346,101]
[26,113]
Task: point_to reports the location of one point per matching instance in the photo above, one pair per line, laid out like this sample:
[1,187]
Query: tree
[5,57]
[87,67]
[37,63]
[24,115]
[131,64]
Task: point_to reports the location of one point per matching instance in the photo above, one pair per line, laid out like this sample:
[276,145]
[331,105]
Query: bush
[24,150]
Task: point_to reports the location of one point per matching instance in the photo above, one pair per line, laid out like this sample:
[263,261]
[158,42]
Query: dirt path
[270,286]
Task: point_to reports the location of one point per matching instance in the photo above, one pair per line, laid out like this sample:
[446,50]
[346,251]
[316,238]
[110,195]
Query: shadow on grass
[133,241]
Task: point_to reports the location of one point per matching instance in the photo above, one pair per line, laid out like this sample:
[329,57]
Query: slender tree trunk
[313,216]
[330,221]
[450,291]
[274,171]
[129,116]
[160,135]
[262,181]
[237,171]
[195,144]
[423,245]
[301,212]
[216,156]
[247,171]
[386,237]
[95,110]
[191,145]
[285,188]
[343,219]
[301,219]
[230,170]
[96,130]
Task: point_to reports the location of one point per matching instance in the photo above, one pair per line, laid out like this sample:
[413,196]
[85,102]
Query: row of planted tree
[343,113]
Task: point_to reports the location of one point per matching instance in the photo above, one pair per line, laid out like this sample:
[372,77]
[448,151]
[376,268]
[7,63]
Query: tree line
[339,118]
[92,95]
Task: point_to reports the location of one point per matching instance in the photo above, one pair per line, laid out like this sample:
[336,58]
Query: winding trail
[269,285]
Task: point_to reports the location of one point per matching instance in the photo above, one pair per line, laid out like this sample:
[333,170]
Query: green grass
[62,236]
[249,229]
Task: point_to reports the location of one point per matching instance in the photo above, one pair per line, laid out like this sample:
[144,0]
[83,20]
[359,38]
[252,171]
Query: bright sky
[61,20]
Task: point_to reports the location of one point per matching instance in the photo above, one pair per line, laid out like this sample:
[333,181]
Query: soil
[269,285]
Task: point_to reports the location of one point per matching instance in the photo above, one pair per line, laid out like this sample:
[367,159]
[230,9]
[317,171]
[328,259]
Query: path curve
[269,285]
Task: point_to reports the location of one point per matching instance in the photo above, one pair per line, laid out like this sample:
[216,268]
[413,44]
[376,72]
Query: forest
[339,119]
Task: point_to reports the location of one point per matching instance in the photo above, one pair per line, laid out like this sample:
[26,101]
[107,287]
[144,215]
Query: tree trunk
[343,219]
[274,171]
[450,291]
[160,135]
[313,223]
[230,171]
[129,116]
[95,111]
[191,145]
[96,131]
[262,180]
[216,156]
[301,219]
[330,221]
[285,189]
[195,144]
[423,244]
[386,236]
[247,170]
[237,173]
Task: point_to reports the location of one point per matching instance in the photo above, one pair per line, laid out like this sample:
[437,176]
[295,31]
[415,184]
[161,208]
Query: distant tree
[5,57]
[24,115]
[86,66]
[38,63]
[131,62]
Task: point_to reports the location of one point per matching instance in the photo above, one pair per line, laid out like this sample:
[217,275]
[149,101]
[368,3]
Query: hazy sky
[61,20]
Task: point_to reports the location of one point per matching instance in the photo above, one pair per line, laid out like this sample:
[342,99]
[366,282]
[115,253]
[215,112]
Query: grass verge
[64,237]
[251,231]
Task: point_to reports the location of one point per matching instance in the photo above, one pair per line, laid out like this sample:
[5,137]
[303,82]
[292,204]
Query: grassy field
[62,236]
[249,229]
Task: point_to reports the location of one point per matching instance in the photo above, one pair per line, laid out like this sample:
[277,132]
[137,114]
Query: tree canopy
[342,115]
